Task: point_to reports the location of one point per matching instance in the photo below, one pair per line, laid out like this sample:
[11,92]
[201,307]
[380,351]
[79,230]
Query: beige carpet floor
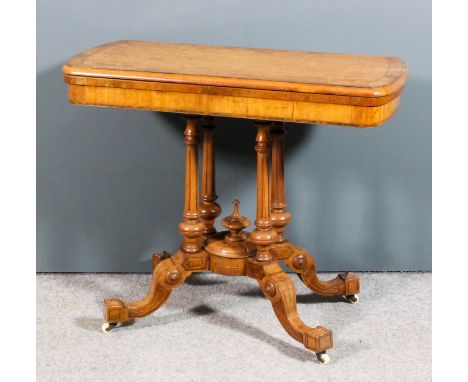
[216,328]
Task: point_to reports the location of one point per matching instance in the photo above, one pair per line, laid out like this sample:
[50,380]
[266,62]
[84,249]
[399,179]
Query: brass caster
[323,358]
[108,326]
[352,298]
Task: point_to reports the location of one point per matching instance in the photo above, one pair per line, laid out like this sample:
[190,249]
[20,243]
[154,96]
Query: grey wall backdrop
[107,178]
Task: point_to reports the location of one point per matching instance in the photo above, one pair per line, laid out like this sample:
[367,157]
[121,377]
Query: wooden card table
[270,87]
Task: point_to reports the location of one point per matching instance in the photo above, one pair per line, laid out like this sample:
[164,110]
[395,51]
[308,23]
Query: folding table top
[269,84]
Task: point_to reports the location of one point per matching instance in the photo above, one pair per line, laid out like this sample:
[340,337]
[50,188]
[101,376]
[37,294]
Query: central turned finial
[235,223]
[229,250]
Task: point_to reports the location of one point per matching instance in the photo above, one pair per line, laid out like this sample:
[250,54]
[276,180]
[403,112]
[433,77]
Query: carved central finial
[235,203]
[235,223]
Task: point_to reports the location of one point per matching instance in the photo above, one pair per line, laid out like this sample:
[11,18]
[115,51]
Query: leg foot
[279,289]
[352,299]
[107,327]
[115,311]
[167,275]
[302,262]
[323,357]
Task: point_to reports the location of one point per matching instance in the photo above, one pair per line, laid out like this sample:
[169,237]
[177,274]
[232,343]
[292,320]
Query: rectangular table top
[239,82]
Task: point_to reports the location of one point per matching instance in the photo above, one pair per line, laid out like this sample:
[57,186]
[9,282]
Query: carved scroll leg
[167,275]
[346,284]
[279,289]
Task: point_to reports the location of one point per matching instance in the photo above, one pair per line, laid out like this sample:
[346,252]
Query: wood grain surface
[261,84]
[267,69]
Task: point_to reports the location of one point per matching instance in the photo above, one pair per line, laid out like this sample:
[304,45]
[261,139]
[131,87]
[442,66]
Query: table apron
[234,106]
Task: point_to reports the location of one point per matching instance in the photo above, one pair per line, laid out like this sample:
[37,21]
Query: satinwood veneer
[270,87]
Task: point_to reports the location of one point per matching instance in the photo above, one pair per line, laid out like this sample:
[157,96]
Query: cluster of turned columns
[199,215]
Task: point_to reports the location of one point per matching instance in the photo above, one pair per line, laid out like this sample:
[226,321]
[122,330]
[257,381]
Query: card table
[270,87]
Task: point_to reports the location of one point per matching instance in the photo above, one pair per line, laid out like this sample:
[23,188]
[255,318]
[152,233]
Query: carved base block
[228,257]
[352,283]
[319,340]
[115,310]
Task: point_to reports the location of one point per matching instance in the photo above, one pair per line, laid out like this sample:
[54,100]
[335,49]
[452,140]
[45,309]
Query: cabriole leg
[279,289]
[346,284]
[167,275]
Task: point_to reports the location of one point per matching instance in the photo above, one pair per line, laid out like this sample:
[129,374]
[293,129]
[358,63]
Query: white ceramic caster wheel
[323,358]
[107,327]
[352,298]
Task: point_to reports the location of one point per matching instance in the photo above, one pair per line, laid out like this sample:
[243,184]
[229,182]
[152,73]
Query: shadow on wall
[110,185]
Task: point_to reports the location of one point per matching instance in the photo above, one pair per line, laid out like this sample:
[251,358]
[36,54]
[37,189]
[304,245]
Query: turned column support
[209,209]
[264,234]
[279,213]
[192,227]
